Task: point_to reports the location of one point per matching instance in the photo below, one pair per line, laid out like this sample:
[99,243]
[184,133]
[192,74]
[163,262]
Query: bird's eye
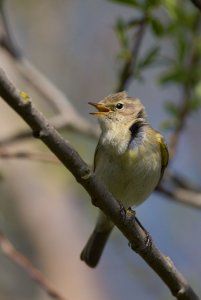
[119,105]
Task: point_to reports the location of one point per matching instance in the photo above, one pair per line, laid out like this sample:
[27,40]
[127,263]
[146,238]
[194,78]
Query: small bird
[130,160]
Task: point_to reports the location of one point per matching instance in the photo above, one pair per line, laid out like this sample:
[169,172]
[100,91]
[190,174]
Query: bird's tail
[94,247]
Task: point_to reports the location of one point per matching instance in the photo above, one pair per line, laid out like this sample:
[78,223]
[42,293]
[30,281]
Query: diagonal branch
[123,219]
[8,249]
[181,195]
[180,190]
[184,183]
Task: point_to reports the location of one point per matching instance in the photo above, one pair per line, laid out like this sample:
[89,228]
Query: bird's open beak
[102,109]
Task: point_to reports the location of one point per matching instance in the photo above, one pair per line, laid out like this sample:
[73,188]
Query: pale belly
[130,179]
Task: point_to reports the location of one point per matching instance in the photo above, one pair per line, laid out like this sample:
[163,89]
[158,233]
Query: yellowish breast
[133,175]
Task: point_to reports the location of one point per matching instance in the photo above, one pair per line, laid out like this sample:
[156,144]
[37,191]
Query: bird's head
[119,110]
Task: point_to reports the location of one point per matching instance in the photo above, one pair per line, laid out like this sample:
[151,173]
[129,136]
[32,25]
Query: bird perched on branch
[130,159]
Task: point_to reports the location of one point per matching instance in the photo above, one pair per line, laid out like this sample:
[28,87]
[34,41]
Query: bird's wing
[164,153]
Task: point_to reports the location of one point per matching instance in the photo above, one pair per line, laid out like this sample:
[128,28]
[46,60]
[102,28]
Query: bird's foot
[148,240]
[122,211]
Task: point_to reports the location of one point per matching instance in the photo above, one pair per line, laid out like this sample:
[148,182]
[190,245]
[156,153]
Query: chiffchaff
[130,159]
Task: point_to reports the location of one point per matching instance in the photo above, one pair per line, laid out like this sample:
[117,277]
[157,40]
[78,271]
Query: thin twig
[135,22]
[179,189]
[60,123]
[181,195]
[48,158]
[128,69]
[24,263]
[123,219]
[21,136]
[180,181]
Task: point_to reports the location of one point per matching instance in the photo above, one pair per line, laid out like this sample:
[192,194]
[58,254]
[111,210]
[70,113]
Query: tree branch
[183,183]
[179,189]
[8,249]
[123,219]
[181,195]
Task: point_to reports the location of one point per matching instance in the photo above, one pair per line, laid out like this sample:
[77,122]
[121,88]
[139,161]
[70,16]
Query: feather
[164,153]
